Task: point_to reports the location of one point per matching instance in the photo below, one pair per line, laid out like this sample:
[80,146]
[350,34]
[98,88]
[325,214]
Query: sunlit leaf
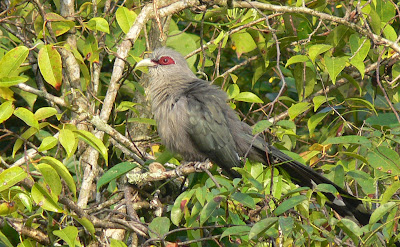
[125,18]
[50,65]
[11,61]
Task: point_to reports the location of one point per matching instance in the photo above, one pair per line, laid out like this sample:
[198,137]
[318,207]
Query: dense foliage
[320,79]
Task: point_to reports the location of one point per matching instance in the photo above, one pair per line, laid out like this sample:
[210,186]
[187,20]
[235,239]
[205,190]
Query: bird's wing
[209,131]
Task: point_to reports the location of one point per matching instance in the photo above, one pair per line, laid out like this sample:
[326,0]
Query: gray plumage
[195,121]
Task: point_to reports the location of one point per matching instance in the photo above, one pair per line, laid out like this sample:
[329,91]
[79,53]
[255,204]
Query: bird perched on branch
[195,121]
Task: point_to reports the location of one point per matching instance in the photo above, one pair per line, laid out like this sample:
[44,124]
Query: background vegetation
[320,78]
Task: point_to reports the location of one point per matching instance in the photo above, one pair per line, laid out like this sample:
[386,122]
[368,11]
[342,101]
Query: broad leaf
[50,65]
[125,18]
[335,65]
[11,176]
[11,61]
[98,24]
[115,172]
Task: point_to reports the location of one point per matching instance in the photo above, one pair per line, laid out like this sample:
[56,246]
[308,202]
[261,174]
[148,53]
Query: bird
[194,120]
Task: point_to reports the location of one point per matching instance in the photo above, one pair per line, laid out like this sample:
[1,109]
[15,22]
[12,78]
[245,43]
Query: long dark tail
[346,205]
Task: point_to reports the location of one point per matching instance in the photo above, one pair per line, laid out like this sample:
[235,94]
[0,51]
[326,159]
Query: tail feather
[346,205]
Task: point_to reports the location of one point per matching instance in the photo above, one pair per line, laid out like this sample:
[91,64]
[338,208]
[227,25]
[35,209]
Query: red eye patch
[165,60]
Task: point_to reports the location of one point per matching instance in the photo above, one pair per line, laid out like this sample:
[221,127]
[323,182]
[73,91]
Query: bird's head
[167,65]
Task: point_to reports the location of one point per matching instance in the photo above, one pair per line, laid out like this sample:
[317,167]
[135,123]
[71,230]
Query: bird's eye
[166,60]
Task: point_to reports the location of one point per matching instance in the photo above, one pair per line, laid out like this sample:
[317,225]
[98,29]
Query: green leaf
[305,79]
[314,120]
[93,141]
[159,226]
[11,61]
[27,116]
[26,135]
[91,49]
[11,176]
[262,226]
[390,191]
[98,24]
[59,24]
[335,65]
[315,50]
[148,121]
[6,110]
[236,231]
[383,119]
[4,240]
[327,188]
[25,200]
[350,139]
[389,32]
[180,206]
[115,172]
[359,48]
[296,59]
[126,105]
[319,100]
[45,112]
[381,211]
[289,203]
[244,199]
[297,109]
[385,10]
[260,126]
[286,224]
[48,143]
[184,43]
[125,18]
[87,224]
[363,102]
[68,141]
[44,200]
[248,97]
[233,91]
[243,41]
[364,180]
[50,65]
[52,180]
[210,208]
[384,159]
[351,229]
[69,234]
[117,243]
[12,81]
[62,171]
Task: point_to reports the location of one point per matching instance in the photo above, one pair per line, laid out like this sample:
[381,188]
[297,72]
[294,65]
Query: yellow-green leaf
[335,65]
[48,143]
[62,172]
[52,180]
[248,97]
[43,199]
[68,141]
[11,176]
[296,59]
[45,112]
[12,81]
[93,141]
[11,61]
[297,109]
[6,110]
[125,18]
[98,24]
[244,42]
[27,116]
[50,65]
[315,50]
